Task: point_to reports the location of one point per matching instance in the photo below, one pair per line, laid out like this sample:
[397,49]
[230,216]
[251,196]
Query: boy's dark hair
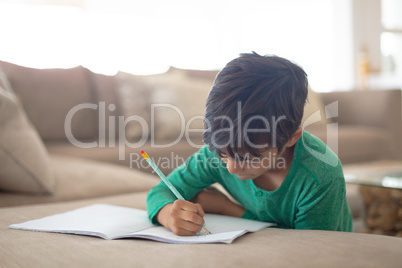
[255,100]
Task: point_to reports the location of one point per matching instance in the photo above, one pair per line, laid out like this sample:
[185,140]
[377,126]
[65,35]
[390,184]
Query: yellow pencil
[165,180]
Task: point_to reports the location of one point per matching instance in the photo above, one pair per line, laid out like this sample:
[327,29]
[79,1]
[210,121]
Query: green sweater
[312,195]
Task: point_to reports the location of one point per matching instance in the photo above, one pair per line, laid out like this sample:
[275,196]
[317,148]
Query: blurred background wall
[342,44]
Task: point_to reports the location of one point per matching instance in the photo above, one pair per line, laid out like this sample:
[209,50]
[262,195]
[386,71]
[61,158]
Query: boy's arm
[191,177]
[214,201]
[325,208]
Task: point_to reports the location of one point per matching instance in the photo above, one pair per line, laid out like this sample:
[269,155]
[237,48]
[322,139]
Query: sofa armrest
[376,108]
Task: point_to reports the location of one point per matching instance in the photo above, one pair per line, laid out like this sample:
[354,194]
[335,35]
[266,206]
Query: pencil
[166,181]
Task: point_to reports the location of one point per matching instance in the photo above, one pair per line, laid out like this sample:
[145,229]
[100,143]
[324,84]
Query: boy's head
[255,104]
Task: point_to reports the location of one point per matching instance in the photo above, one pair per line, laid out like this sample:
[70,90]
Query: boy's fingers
[190,227]
[191,217]
[183,231]
[186,205]
[188,216]
[200,210]
[186,222]
[189,206]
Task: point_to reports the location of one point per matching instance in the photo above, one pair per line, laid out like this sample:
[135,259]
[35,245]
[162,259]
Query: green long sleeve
[312,195]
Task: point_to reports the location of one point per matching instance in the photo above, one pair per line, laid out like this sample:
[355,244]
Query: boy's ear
[295,137]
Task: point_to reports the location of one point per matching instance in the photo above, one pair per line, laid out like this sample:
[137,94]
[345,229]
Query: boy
[256,149]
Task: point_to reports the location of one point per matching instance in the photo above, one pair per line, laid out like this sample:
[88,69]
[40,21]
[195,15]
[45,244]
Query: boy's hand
[182,217]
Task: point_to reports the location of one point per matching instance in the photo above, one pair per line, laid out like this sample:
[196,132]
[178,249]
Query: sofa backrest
[48,95]
[377,108]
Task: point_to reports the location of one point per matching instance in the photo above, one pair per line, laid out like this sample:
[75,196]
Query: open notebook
[113,222]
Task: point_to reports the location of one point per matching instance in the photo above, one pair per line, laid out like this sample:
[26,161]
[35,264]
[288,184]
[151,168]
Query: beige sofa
[368,122]
[70,177]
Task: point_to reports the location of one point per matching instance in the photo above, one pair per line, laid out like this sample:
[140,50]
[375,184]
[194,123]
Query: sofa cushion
[23,157]
[167,158]
[77,178]
[106,95]
[134,99]
[169,103]
[181,105]
[4,83]
[48,95]
[206,75]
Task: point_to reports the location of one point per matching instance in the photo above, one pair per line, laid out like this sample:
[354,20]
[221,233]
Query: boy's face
[252,167]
